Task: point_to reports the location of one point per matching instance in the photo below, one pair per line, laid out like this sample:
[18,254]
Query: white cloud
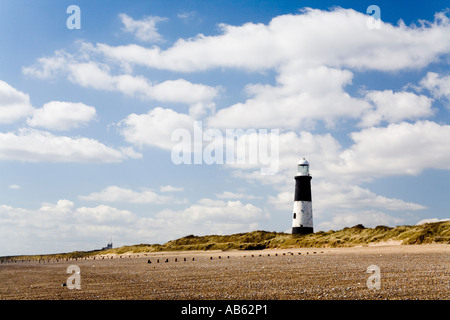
[96,75]
[330,196]
[32,145]
[209,216]
[216,210]
[236,195]
[438,85]
[14,104]
[309,84]
[60,209]
[129,152]
[64,227]
[187,16]
[377,152]
[431,220]
[59,115]
[368,218]
[48,67]
[170,188]
[154,128]
[300,97]
[49,216]
[399,149]
[284,200]
[93,75]
[103,214]
[144,29]
[322,150]
[118,194]
[313,66]
[337,38]
[199,96]
[14,187]
[394,107]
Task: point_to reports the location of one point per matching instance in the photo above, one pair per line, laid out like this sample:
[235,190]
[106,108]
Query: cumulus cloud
[213,216]
[60,115]
[62,208]
[314,66]
[144,29]
[170,188]
[48,67]
[154,128]
[14,104]
[311,78]
[394,107]
[89,73]
[432,220]
[368,218]
[98,76]
[438,85]
[398,149]
[300,97]
[337,38]
[236,195]
[103,214]
[118,194]
[321,149]
[63,226]
[187,16]
[330,195]
[30,145]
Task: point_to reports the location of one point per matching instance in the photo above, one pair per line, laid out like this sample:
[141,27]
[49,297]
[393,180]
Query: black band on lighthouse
[302,188]
[302,230]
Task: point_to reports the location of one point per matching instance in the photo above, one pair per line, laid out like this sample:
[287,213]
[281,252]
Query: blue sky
[88,117]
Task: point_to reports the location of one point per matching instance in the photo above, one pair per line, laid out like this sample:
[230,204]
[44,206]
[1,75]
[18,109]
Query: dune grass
[357,235]
[438,232]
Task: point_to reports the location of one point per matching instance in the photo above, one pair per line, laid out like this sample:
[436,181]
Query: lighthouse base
[302,230]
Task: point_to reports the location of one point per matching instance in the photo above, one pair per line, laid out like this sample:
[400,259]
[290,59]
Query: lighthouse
[302,219]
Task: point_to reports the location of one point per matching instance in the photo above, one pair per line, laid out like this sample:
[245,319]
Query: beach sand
[406,272]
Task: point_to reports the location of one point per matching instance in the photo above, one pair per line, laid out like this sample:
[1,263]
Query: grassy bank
[438,232]
[357,235]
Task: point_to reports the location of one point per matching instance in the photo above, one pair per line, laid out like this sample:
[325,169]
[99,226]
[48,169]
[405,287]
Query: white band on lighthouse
[302,214]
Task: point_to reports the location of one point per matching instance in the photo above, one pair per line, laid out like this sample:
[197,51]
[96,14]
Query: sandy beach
[405,272]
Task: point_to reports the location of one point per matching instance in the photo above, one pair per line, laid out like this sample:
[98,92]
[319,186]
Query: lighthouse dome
[303,167]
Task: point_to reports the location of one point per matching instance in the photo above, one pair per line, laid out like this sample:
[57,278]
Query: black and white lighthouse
[302,219]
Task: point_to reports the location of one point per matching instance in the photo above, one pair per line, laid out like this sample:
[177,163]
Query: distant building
[108,246]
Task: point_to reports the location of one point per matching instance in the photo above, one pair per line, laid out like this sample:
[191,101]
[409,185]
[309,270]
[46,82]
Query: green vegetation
[357,235]
[438,232]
